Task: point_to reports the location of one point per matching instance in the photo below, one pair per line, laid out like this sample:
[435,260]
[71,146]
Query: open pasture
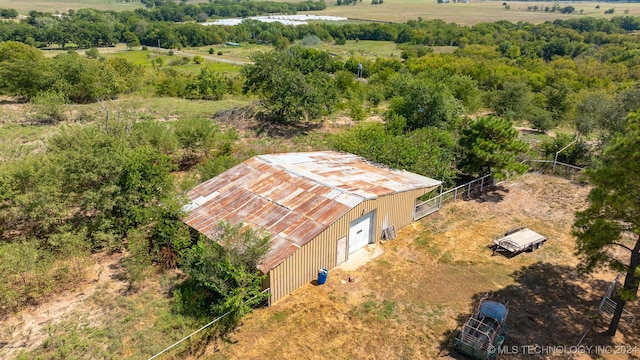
[474,11]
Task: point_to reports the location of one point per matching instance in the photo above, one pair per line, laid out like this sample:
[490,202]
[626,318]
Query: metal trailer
[518,240]
[485,331]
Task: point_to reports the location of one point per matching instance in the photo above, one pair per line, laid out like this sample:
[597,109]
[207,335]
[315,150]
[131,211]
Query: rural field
[405,304]
[99,148]
[473,12]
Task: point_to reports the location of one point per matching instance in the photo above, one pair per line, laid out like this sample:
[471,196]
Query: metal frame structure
[608,305]
[432,205]
[484,332]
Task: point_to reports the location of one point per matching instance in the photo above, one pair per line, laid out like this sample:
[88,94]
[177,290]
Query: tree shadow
[550,309]
[507,254]
[12,101]
[269,126]
[494,194]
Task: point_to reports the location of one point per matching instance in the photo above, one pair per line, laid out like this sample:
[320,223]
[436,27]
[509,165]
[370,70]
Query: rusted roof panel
[293,196]
[281,249]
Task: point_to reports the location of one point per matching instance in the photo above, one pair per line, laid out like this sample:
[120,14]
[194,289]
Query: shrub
[576,154]
[92,53]
[179,61]
[48,106]
[225,271]
[541,120]
[310,40]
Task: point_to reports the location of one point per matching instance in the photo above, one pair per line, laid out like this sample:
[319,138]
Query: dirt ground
[27,330]
[409,302]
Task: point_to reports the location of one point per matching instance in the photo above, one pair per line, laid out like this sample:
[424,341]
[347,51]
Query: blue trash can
[322,276]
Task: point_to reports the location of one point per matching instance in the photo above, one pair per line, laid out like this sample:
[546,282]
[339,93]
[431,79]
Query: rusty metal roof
[293,196]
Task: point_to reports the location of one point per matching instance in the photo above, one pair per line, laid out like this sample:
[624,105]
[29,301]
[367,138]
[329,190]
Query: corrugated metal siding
[303,265]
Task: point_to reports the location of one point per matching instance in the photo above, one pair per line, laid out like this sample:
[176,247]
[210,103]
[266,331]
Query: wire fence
[557,168]
[267,291]
[462,192]
[477,186]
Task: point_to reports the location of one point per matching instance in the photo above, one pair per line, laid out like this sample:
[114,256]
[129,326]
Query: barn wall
[303,265]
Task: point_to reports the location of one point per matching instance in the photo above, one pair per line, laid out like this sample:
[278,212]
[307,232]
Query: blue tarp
[494,310]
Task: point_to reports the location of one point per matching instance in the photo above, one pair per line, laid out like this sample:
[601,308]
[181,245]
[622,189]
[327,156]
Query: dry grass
[62,6]
[408,302]
[471,13]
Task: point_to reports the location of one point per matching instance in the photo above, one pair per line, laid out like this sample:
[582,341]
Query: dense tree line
[88,27]
[171,11]
[8,13]
[27,73]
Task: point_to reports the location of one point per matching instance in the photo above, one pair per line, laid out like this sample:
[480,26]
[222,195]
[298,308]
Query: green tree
[568,10]
[92,53]
[130,39]
[608,231]
[591,110]
[24,71]
[427,151]
[83,80]
[513,100]
[196,137]
[576,154]
[208,85]
[491,144]
[198,59]
[9,13]
[281,43]
[225,269]
[294,83]
[424,101]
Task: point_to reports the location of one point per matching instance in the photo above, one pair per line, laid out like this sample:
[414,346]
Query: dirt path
[206,57]
[28,329]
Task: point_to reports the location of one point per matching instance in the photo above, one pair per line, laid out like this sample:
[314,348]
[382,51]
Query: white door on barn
[342,251]
[360,232]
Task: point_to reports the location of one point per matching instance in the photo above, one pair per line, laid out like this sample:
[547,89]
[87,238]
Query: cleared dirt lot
[408,303]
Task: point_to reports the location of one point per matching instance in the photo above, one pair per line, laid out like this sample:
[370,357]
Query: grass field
[471,13]
[61,6]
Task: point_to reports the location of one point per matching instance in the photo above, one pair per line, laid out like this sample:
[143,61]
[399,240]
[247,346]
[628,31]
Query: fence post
[482,184]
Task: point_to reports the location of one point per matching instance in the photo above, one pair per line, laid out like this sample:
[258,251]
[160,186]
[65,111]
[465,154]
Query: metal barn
[319,207]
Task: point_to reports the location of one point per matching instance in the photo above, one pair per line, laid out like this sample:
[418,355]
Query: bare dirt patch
[409,302]
[28,329]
